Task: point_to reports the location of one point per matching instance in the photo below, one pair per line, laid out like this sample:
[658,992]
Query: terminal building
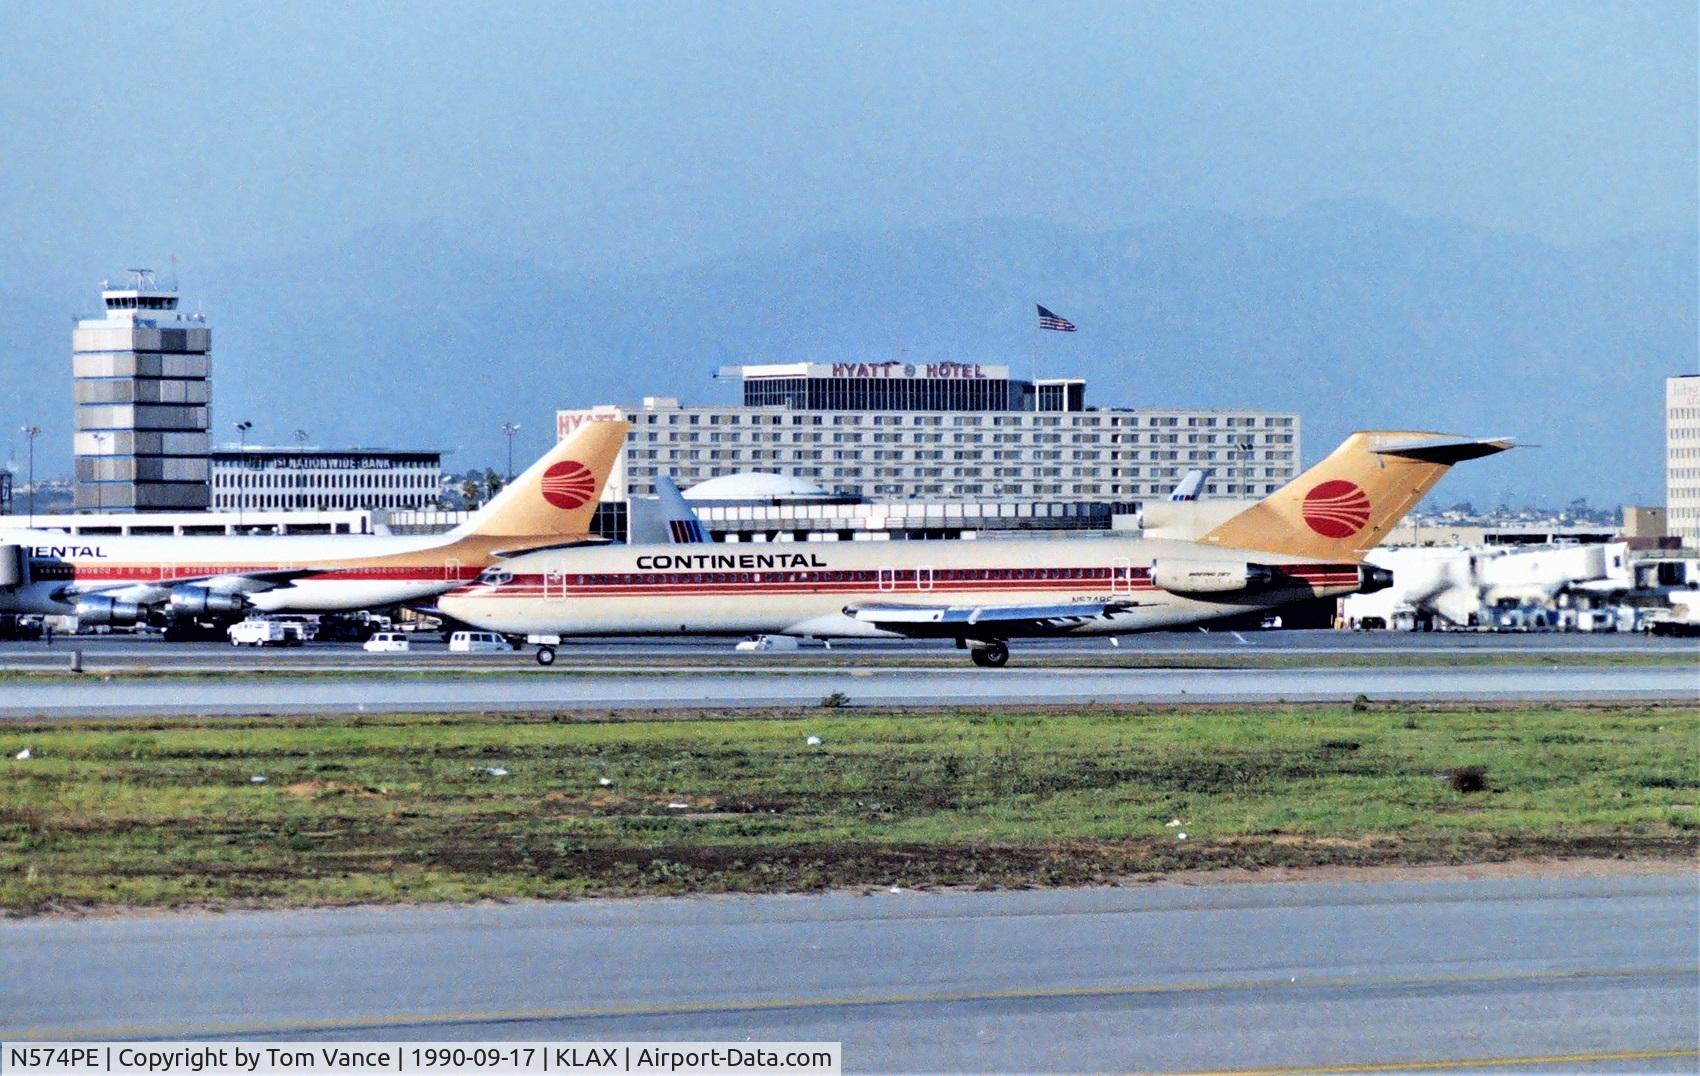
[914,449]
[263,478]
[142,375]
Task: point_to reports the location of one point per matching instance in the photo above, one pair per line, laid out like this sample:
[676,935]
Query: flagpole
[1048,321]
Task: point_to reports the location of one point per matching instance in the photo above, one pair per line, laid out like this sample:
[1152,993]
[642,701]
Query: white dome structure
[760,487]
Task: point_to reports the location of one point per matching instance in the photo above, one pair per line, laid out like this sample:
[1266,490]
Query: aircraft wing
[250,582]
[953,620]
[149,592]
[540,547]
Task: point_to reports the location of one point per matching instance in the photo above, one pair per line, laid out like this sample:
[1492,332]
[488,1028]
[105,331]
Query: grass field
[405,808]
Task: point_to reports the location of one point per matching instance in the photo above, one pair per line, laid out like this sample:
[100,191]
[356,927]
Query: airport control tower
[143,387]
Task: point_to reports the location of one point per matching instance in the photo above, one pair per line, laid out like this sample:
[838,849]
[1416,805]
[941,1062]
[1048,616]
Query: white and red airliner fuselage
[347,571]
[975,591]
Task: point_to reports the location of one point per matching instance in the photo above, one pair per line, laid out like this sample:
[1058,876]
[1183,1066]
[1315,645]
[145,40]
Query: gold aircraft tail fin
[556,497]
[1344,506]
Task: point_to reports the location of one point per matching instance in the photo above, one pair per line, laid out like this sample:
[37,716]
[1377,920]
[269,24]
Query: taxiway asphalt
[1554,972]
[138,652]
[748,688]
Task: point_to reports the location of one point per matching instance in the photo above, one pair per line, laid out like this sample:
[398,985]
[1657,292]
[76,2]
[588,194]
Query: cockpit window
[495,577]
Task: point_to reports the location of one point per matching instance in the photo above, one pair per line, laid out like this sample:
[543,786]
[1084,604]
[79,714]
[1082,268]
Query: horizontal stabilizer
[1445,450]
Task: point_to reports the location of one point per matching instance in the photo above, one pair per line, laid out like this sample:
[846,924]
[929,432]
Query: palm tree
[469,494]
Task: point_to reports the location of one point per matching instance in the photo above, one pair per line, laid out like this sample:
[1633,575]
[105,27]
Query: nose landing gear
[992,655]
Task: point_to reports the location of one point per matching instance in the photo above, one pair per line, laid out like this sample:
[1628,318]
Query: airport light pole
[242,429]
[510,428]
[99,484]
[31,433]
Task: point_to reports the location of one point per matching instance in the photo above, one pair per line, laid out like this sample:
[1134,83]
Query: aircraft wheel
[545,655]
[990,656]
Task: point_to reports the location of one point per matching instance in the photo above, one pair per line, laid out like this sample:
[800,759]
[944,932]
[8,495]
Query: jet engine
[1209,576]
[1372,579]
[99,609]
[14,565]
[199,601]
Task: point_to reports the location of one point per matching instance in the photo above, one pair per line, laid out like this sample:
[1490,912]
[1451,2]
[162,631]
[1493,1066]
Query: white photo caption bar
[589,1058]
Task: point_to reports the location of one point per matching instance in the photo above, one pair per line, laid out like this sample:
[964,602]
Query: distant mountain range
[1347,312]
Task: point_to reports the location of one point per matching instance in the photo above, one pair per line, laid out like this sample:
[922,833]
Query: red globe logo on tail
[568,484]
[1336,509]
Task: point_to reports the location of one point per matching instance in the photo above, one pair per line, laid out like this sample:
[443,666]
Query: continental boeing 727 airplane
[1307,540]
[161,580]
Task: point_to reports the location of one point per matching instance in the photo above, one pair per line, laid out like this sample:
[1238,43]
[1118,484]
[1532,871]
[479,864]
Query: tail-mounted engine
[1372,579]
[1209,576]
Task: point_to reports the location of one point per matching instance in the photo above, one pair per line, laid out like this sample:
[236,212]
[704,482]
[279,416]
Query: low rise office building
[263,478]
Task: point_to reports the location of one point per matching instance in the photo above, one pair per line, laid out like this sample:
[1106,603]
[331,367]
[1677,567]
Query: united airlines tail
[1344,506]
[683,526]
[1188,488]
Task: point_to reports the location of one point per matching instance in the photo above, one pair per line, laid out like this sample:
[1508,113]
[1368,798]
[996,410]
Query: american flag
[1048,320]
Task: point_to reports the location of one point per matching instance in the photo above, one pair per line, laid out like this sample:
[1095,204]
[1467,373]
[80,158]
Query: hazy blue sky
[619,136]
[253,141]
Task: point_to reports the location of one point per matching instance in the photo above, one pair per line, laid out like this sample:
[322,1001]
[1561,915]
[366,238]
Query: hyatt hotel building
[944,433]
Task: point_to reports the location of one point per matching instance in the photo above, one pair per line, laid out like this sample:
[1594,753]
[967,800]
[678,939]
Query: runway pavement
[565,690]
[135,652]
[1581,972]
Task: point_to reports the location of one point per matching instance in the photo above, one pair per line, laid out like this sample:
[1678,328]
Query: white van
[478,642]
[262,632]
[387,642]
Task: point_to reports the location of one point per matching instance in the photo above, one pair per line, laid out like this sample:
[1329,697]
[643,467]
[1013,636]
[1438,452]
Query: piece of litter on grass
[257,779]
[1180,836]
[813,741]
[678,806]
[22,756]
[604,781]
[1173,822]
[895,889]
[493,771]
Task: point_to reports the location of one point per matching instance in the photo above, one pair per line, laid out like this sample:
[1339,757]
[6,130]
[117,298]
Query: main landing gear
[545,655]
[992,655]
